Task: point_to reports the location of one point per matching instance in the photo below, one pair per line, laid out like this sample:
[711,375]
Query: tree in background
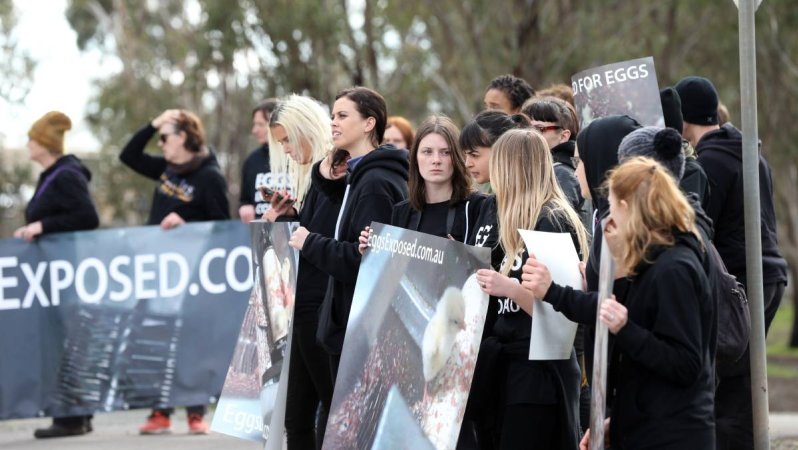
[16,183]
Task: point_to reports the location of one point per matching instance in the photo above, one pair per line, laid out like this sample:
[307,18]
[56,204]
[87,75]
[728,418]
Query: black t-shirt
[433,219]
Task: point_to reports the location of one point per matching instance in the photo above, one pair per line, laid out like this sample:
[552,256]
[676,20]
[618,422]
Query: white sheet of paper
[552,335]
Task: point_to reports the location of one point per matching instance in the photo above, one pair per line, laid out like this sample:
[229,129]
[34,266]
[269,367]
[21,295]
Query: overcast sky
[62,80]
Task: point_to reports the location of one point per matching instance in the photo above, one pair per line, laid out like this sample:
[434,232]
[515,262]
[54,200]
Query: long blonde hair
[656,207]
[303,118]
[522,176]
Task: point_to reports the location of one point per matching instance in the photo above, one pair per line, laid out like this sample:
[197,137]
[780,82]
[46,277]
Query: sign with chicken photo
[411,343]
[252,404]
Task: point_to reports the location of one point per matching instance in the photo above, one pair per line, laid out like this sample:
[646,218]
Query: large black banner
[119,319]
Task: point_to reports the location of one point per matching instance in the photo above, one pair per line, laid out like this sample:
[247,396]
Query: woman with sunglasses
[191,188]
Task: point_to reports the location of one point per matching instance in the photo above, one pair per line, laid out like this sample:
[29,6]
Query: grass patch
[782,360]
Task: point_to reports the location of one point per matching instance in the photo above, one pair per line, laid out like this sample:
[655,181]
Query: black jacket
[694,180]
[62,201]
[565,172]
[465,215]
[720,154]
[318,215]
[196,193]
[378,182]
[256,172]
[661,376]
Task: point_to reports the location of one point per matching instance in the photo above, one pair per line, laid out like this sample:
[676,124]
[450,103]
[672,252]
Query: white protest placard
[552,335]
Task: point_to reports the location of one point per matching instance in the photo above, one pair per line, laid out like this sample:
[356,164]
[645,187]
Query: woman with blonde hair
[300,129]
[537,401]
[664,327]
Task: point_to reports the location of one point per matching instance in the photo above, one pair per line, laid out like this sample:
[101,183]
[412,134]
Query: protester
[719,151]
[399,132]
[441,201]
[477,139]
[190,188]
[60,203]
[556,121]
[694,179]
[537,401]
[300,127]
[660,374]
[375,179]
[256,171]
[507,93]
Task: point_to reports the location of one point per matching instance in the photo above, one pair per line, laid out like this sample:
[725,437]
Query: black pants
[190,410]
[530,427]
[309,388]
[733,404]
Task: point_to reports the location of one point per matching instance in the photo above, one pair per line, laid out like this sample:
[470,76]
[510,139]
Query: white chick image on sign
[439,336]
[456,332]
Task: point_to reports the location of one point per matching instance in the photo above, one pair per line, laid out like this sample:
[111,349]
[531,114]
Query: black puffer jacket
[378,182]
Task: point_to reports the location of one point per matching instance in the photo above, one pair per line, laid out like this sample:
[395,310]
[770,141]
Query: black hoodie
[565,172]
[196,192]
[598,149]
[660,379]
[464,215]
[62,201]
[378,182]
[720,154]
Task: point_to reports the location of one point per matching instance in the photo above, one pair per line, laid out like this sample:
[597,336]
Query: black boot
[63,427]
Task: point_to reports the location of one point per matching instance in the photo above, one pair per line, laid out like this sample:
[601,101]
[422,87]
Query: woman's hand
[29,231]
[326,168]
[495,284]
[536,277]
[613,314]
[168,116]
[298,238]
[246,213]
[282,204]
[173,220]
[363,240]
[584,444]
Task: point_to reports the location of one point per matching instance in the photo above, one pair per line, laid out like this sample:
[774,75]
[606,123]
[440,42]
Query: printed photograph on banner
[120,319]
[628,87]
[411,343]
[552,334]
[249,397]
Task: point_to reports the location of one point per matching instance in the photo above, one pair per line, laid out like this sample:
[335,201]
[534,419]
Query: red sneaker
[197,424]
[157,423]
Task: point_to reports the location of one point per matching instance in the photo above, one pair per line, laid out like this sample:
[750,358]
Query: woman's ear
[565,135]
[371,122]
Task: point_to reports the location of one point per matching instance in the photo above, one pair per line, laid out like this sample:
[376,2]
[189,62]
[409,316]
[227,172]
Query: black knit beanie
[671,108]
[699,100]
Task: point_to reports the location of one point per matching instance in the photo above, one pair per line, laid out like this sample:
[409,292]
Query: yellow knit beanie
[49,131]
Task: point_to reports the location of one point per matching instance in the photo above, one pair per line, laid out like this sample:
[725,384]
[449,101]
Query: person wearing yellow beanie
[60,203]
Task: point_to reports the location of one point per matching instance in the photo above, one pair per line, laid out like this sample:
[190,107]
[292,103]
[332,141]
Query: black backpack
[734,317]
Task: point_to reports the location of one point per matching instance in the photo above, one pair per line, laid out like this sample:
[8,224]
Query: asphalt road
[118,431]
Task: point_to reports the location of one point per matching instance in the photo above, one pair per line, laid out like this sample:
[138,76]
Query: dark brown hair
[266,108]
[553,109]
[190,124]
[369,103]
[461,182]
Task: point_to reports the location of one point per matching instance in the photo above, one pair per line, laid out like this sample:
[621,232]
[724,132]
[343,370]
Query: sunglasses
[163,138]
[545,128]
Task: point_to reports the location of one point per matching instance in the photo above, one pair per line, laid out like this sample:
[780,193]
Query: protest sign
[413,335]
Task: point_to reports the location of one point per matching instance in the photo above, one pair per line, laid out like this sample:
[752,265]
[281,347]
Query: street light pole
[753,226]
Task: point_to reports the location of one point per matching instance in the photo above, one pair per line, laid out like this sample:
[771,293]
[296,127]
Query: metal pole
[753,238]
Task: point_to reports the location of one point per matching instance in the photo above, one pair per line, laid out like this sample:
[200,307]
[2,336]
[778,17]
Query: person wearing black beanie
[694,179]
[720,153]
